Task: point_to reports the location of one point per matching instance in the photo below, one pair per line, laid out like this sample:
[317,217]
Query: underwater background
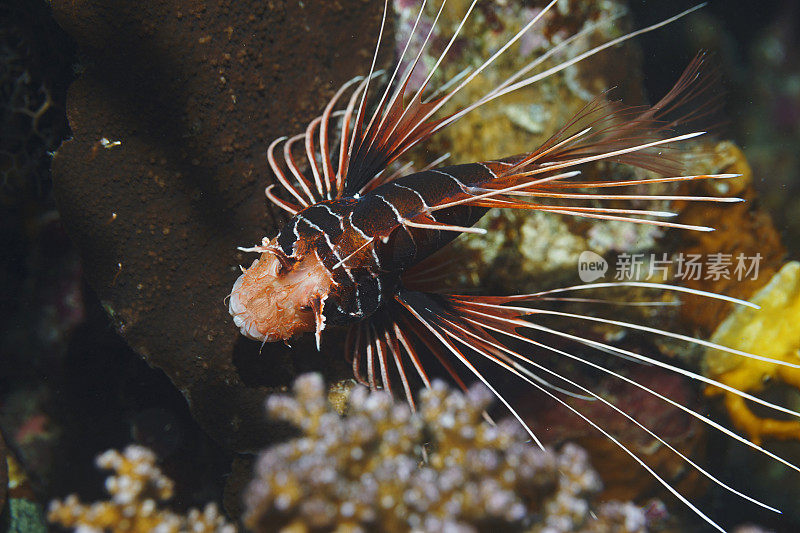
[117,253]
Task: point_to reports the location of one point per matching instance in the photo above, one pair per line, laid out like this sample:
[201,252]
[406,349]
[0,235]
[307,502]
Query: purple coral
[366,470]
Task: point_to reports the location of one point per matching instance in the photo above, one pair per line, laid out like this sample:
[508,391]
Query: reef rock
[165,172]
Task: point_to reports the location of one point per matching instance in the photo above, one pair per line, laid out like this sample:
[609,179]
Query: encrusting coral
[741,230]
[381,467]
[770,331]
[136,490]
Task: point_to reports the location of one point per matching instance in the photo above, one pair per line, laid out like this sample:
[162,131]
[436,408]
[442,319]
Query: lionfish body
[357,249]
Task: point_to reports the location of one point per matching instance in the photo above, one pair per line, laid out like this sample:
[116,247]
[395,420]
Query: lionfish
[358,248]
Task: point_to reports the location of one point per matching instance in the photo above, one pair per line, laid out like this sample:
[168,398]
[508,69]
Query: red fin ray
[389,337]
[405,125]
[369,142]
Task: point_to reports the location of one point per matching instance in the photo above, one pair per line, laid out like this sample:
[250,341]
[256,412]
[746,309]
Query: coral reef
[524,251]
[137,488]
[623,479]
[165,173]
[40,274]
[43,287]
[751,528]
[770,331]
[740,229]
[32,83]
[19,509]
[382,467]
[770,121]
[191,92]
[3,473]
[25,417]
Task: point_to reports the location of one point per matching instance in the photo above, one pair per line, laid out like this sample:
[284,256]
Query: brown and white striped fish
[357,249]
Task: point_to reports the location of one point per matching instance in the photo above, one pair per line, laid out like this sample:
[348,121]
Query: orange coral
[739,229]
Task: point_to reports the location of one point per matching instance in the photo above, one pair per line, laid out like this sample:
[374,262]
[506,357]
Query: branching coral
[366,471]
[136,489]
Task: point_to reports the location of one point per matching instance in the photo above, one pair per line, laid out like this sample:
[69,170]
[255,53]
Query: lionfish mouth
[269,305]
[241,315]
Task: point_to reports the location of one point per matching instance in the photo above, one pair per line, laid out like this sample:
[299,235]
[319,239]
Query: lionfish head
[279,297]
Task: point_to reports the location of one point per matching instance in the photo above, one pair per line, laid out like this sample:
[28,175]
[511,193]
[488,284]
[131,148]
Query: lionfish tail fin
[549,179]
[611,131]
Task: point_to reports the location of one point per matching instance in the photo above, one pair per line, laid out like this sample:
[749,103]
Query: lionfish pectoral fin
[401,122]
[468,327]
[397,126]
[378,339]
[289,207]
